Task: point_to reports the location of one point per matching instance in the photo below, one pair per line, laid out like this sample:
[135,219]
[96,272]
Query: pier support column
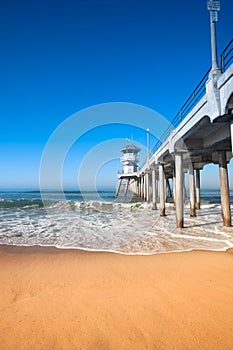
[174,188]
[144,187]
[147,188]
[232,136]
[141,193]
[192,191]
[179,190]
[118,187]
[166,190]
[151,187]
[169,191]
[153,190]
[184,190]
[198,189]
[224,187]
[139,186]
[162,190]
[126,187]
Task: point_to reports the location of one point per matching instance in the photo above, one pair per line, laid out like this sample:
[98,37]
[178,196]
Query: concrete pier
[200,129]
[198,190]
[138,187]
[179,190]
[169,190]
[224,187]
[154,206]
[232,136]
[184,189]
[118,187]
[162,190]
[126,187]
[144,189]
[192,191]
[147,188]
[174,187]
[141,186]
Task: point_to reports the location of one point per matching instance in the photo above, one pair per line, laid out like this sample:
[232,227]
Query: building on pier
[130,158]
[128,176]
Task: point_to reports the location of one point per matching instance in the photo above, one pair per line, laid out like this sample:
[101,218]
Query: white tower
[129,176]
[130,158]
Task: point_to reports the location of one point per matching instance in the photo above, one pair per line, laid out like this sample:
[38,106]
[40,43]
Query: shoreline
[73,299]
[50,248]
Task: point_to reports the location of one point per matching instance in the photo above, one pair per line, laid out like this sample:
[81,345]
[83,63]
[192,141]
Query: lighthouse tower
[128,176]
[130,158]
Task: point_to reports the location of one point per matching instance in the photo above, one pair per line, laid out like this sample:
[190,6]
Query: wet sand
[69,299]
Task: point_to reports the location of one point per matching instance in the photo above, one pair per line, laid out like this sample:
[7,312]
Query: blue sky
[59,57]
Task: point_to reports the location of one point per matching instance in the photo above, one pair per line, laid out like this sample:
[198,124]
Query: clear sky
[59,57]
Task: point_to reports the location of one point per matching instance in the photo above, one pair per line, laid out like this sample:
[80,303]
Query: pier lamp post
[214,8]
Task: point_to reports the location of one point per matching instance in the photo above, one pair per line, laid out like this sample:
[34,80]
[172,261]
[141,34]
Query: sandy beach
[68,299]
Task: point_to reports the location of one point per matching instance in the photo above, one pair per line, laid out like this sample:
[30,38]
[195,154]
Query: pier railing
[226,59]
[191,102]
[193,99]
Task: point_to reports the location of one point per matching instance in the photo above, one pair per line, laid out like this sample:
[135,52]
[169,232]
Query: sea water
[99,222]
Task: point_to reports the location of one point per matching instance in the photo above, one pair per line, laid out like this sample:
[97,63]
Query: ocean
[100,222]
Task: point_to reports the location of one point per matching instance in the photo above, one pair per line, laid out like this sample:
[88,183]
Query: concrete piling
[224,188]
[179,190]
[162,189]
[154,206]
[192,191]
[198,193]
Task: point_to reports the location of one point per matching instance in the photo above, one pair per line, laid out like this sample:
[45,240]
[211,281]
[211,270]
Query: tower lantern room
[130,158]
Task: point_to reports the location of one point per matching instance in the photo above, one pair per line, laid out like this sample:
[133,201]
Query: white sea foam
[129,228]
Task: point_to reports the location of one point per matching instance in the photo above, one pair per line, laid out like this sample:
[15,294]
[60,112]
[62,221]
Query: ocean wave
[21,203]
[126,228]
[97,205]
[71,205]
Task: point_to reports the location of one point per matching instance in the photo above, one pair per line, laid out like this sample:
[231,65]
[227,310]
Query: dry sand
[53,299]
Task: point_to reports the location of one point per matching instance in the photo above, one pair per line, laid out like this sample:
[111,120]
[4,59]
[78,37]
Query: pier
[201,133]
